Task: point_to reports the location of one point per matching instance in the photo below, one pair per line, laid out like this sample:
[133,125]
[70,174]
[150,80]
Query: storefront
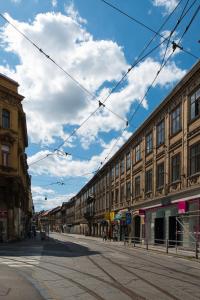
[177,221]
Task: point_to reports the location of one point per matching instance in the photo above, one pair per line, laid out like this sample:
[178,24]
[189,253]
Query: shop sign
[112,216]
[107,216]
[118,216]
[141,212]
[128,218]
[182,207]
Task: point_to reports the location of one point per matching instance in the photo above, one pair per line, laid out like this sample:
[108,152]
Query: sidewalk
[14,286]
[155,248]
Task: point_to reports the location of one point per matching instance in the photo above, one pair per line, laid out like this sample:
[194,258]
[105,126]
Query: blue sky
[96,45]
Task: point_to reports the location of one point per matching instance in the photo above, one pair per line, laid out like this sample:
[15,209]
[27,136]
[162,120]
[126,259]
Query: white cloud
[58,166]
[52,100]
[54,3]
[168,5]
[41,191]
[169,51]
[40,203]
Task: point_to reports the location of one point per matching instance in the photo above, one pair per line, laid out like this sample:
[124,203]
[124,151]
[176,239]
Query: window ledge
[173,134]
[194,175]
[175,182]
[160,188]
[193,120]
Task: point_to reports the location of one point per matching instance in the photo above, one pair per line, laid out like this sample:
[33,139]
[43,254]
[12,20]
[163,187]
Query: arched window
[5,118]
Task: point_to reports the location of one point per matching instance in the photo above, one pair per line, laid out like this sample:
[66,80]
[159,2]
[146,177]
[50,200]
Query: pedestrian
[104,236]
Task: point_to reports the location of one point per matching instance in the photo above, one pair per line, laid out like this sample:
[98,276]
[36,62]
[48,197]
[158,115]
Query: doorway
[174,231]
[137,223]
[159,230]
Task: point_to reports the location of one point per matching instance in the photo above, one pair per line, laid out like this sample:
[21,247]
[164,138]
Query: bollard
[147,246]
[167,246]
[134,242]
[196,250]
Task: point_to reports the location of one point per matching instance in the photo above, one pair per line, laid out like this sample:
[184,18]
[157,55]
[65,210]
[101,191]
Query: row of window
[115,170]
[194,163]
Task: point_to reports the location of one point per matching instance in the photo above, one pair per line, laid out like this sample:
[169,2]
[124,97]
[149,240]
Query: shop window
[5,118]
[122,166]
[160,175]
[176,120]
[128,161]
[160,133]
[137,186]
[176,168]
[195,105]
[5,151]
[137,153]
[149,143]
[195,159]
[148,181]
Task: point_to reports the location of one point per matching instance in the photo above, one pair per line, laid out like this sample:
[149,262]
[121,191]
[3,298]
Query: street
[74,267]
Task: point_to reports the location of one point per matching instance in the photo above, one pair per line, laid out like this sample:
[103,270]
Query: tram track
[153,262]
[116,285]
[135,274]
[75,282]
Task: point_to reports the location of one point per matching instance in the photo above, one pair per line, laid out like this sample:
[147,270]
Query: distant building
[15,183]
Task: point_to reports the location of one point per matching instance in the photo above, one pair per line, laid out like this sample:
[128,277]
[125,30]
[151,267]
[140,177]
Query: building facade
[15,184]
[150,189]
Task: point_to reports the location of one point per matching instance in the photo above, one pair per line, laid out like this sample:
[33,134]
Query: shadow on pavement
[49,247]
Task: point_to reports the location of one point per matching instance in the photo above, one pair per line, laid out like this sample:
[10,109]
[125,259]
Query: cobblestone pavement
[73,267]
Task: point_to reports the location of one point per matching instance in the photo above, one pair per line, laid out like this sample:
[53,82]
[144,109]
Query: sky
[93,46]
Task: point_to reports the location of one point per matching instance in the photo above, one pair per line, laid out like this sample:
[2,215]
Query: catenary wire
[143,24]
[81,86]
[139,59]
[100,103]
[157,74]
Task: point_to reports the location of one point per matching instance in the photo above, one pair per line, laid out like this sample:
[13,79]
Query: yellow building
[15,184]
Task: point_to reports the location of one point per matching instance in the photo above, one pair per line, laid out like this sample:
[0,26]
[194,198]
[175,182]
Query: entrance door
[159,230]
[137,228]
[174,231]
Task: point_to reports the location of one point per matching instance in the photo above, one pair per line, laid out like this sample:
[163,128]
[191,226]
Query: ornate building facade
[150,189]
[15,183]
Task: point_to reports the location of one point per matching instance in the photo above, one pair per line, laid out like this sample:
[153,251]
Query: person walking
[104,236]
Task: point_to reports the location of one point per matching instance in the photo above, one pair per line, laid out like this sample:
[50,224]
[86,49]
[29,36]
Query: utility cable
[133,65]
[59,66]
[157,74]
[143,24]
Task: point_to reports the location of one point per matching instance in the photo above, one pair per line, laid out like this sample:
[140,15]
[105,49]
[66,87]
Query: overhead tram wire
[64,182]
[81,86]
[157,74]
[172,32]
[143,24]
[137,61]
[58,153]
[144,49]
